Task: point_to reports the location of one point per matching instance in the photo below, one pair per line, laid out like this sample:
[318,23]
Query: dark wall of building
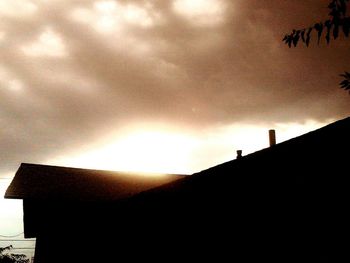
[284,204]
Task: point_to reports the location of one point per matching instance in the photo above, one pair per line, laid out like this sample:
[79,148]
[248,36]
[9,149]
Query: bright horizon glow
[11,211]
[167,150]
[162,150]
[11,219]
[144,151]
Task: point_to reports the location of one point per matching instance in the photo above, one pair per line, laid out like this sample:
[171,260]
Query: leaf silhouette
[308,36]
[302,34]
[296,37]
[345,84]
[328,25]
[319,30]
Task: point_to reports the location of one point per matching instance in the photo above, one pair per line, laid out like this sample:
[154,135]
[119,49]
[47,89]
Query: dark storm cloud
[181,69]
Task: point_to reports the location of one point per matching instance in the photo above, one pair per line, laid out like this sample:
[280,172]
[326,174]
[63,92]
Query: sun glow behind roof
[170,150]
[142,151]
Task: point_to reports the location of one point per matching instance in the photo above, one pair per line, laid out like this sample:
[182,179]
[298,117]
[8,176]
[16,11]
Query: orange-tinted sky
[169,86]
[185,81]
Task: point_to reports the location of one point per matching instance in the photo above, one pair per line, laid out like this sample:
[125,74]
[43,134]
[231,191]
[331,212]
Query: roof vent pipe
[239,154]
[272,137]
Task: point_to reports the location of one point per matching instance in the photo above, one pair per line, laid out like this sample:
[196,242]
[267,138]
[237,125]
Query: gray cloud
[195,76]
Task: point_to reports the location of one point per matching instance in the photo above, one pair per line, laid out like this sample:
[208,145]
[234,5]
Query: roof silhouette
[34,181]
[285,203]
[64,183]
[300,161]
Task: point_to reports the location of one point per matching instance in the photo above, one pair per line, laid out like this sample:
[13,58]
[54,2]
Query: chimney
[239,154]
[272,137]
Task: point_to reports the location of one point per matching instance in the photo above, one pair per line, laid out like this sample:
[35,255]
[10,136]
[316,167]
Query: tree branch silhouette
[6,257]
[338,22]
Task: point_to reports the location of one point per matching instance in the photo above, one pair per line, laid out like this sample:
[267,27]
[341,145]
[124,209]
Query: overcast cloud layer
[72,72]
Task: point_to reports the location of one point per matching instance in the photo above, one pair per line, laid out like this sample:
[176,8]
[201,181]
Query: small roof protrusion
[239,154]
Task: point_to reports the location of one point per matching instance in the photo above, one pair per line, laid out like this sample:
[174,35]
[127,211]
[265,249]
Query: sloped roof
[302,159]
[45,182]
[315,158]
[324,143]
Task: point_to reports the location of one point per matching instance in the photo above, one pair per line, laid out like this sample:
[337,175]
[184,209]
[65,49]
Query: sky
[159,86]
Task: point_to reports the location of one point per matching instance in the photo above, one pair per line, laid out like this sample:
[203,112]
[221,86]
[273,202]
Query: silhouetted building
[285,203]
[66,208]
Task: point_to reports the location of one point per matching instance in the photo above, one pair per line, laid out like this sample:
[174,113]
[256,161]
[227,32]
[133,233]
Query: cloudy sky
[159,85]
